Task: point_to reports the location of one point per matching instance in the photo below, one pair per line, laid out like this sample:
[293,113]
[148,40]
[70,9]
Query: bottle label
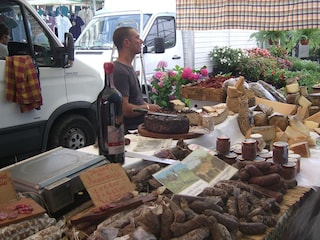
[115,139]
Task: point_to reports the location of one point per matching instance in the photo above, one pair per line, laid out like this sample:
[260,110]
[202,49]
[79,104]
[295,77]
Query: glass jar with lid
[280,152]
[223,145]
[249,149]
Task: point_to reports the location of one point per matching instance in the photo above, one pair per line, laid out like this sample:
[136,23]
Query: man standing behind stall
[128,43]
[4,39]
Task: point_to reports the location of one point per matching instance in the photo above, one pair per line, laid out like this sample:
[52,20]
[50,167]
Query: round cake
[167,124]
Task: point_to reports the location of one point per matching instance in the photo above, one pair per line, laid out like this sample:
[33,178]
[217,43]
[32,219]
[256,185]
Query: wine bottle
[110,119]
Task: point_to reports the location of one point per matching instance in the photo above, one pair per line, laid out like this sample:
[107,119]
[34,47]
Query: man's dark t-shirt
[127,82]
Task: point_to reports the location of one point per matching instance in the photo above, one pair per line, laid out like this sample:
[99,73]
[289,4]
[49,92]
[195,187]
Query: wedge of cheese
[233,92]
[298,126]
[301,148]
[292,88]
[304,102]
[311,124]
[294,134]
[302,113]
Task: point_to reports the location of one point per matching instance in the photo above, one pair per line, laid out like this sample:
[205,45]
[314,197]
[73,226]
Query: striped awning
[247,14]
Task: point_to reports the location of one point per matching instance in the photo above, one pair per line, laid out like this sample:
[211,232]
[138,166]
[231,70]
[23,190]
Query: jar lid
[249,141]
[294,155]
[289,164]
[223,137]
[231,155]
[266,154]
[256,135]
[280,144]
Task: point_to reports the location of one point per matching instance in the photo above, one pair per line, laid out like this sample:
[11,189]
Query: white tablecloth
[309,170]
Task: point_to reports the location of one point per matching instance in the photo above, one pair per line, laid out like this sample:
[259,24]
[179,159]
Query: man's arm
[128,108]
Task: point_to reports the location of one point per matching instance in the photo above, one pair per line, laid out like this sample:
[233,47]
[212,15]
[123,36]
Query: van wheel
[73,131]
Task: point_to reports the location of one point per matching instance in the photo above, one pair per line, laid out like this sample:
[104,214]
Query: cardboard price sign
[7,191]
[107,183]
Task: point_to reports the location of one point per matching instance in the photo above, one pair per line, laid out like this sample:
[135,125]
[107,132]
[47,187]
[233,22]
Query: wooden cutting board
[146,133]
[7,207]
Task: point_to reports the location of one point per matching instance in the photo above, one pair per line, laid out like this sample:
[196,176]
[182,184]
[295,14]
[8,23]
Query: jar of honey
[288,170]
[223,145]
[280,152]
[297,158]
[249,149]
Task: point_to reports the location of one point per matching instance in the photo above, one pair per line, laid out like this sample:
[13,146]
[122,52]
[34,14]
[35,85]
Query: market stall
[145,146]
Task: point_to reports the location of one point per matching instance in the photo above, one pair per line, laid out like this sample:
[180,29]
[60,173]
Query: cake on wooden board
[166,124]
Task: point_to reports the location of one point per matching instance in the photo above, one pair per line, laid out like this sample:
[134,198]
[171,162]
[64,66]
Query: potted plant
[273,37]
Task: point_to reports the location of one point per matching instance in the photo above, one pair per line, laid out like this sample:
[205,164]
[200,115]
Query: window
[40,42]
[162,27]
[99,32]
[24,40]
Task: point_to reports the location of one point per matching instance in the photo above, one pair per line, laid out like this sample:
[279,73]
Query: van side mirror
[69,49]
[159,45]
[144,49]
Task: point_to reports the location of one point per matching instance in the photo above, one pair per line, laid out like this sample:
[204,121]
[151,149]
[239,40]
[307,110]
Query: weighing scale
[54,175]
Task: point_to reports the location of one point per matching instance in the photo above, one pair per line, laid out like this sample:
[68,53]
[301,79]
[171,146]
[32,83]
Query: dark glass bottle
[110,119]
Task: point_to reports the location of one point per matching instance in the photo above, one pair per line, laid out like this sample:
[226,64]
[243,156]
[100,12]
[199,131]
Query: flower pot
[272,42]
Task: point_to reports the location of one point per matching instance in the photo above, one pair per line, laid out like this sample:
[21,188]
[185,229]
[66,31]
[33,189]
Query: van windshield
[98,34]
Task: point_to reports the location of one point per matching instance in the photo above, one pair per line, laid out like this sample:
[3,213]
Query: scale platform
[54,175]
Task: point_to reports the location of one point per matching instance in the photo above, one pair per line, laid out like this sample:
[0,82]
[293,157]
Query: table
[308,176]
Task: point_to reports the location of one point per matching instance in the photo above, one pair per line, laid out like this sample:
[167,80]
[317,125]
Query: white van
[155,24]
[95,44]
[67,115]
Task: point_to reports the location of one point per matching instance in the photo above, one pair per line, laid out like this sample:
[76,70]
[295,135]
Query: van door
[22,133]
[164,27]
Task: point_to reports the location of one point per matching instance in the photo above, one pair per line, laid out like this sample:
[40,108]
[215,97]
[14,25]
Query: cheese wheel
[293,88]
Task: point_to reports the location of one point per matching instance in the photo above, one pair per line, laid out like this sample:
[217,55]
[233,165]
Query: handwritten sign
[7,191]
[106,183]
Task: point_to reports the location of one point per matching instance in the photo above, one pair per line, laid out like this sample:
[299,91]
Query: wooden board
[37,210]
[146,133]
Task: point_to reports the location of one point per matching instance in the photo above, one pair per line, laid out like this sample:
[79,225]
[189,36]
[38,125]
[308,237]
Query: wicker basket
[203,94]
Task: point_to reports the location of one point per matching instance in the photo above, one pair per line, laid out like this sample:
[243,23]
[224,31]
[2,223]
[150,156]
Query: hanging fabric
[250,14]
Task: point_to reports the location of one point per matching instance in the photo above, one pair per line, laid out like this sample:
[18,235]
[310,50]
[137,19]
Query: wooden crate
[202,94]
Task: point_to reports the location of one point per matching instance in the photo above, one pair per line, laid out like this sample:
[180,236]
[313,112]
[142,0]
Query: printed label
[115,140]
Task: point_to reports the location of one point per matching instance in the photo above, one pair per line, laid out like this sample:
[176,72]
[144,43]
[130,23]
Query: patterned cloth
[22,83]
[249,14]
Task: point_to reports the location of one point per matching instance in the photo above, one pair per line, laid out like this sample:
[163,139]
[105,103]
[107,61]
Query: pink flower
[160,84]
[154,90]
[195,76]
[172,74]
[187,72]
[157,75]
[163,77]
[162,64]
[204,72]
[171,97]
